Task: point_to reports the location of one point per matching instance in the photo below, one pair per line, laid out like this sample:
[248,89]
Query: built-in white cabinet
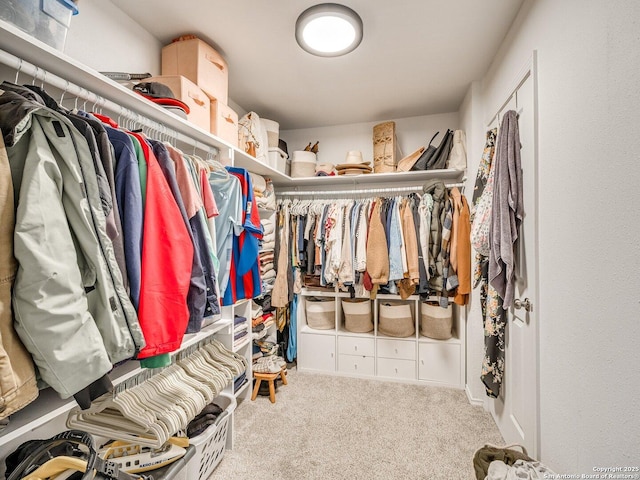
[415,359]
[317,352]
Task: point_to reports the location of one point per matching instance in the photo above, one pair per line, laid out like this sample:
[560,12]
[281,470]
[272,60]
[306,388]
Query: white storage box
[46,20]
[321,313]
[278,159]
[211,444]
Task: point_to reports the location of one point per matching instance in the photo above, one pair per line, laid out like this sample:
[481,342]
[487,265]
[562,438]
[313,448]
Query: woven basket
[357,315]
[321,313]
[436,322]
[384,147]
[395,319]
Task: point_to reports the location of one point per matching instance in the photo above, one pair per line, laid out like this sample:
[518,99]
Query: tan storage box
[188,92]
[201,64]
[321,313]
[436,322]
[224,122]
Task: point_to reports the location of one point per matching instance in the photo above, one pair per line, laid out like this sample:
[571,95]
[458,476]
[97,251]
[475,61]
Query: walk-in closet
[232,246]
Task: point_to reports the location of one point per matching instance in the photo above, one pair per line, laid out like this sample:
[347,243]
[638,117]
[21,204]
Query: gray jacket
[438,192]
[71,309]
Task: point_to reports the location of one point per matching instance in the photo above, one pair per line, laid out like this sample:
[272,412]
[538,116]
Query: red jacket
[167,253]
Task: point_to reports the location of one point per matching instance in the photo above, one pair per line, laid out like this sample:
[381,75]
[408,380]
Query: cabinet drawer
[396,368]
[396,349]
[317,352]
[356,346]
[356,364]
[439,362]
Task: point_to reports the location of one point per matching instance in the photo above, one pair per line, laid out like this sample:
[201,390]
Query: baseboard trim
[473,401]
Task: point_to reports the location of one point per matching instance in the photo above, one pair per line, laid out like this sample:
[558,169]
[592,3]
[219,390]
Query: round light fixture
[329,30]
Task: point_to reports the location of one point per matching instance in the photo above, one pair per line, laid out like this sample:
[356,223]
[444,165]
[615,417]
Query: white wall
[336,141]
[106,39]
[471,121]
[589,221]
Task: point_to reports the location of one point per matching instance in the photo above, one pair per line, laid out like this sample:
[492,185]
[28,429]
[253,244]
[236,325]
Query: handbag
[487,454]
[421,163]
[441,155]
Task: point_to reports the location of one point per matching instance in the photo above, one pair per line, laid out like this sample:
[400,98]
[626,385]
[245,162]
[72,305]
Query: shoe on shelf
[266,365]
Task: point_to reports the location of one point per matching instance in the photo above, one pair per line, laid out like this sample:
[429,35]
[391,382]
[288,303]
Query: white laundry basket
[211,444]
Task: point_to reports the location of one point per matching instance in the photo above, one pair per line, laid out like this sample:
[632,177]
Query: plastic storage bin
[211,444]
[46,20]
[278,159]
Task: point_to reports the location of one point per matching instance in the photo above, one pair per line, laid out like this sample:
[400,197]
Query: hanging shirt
[227,192]
[245,271]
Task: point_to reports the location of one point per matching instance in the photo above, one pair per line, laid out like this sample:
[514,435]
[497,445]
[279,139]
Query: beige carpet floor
[328,427]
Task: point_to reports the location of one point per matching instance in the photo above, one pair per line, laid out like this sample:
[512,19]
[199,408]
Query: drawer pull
[396,351]
[396,370]
[355,348]
[355,366]
[228,119]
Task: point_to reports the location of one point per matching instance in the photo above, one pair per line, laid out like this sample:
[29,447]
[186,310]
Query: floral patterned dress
[493,315]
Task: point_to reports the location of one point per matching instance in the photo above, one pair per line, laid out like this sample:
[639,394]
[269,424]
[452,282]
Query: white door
[516,410]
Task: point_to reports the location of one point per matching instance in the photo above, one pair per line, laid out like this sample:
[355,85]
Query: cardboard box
[188,92]
[224,122]
[201,64]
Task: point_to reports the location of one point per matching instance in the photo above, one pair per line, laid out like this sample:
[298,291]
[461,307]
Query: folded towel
[258,182]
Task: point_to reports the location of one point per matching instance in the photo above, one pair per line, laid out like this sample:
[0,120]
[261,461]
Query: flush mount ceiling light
[329,30]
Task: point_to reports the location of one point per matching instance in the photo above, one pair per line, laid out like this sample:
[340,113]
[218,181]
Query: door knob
[526,304]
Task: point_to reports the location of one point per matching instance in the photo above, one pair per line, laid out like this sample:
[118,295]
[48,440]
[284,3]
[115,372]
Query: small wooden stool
[269,377]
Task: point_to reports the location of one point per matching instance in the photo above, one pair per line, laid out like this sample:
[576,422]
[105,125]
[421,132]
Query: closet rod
[67,87]
[366,191]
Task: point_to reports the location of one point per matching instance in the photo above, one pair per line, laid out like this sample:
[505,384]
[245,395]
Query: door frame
[529,69]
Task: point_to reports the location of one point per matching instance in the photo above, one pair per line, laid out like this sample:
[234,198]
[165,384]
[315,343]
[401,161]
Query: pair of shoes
[279,362]
[266,365]
[313,149]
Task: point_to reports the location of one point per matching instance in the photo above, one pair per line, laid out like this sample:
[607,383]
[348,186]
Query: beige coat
[17,375]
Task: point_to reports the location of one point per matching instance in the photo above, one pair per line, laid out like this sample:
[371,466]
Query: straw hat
[354,164]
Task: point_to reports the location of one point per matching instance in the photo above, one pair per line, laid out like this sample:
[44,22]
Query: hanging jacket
[197,295]
[71,309]
[377,253]
[438,193]
[18,385]
[167,255]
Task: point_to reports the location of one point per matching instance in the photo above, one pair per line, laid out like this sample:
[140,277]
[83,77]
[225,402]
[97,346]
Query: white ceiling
[417,57]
